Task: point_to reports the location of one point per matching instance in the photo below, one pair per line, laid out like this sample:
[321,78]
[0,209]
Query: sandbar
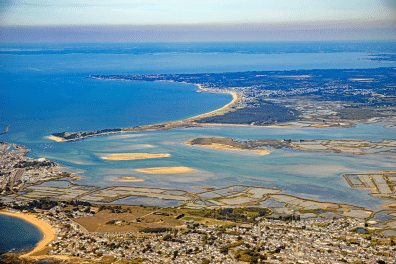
[166,170]
[135,156]
[57,139]
[278,126]
[362,79]
[319,125]
[228,147]
[45,228]
[128,179]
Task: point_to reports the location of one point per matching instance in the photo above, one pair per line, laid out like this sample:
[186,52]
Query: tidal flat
[301,173]
[308,173]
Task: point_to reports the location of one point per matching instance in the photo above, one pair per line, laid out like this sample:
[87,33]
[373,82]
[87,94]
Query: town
[17,170]
[235,224]
[336,240]
[302,98]
[311,96]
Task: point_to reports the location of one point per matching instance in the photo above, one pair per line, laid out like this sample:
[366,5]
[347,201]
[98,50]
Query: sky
[196,20]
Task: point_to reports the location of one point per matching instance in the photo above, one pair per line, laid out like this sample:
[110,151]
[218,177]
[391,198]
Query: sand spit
[166,170]
[135,156]
[225,109]
[278,126]
[128,179]
[320,125]
[213,143]
[190,122]
[45,228]
[57,139]
[227,147]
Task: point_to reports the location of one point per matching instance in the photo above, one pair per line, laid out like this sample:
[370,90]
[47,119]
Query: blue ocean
[17,235]
[44,91]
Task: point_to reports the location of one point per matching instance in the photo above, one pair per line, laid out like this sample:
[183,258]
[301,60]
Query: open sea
[43,90]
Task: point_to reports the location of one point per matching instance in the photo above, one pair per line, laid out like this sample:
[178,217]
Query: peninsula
[318,98]
[6,130]
[348,146]
[227,144]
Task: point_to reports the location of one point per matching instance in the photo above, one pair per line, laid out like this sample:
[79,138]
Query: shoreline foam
[44,227]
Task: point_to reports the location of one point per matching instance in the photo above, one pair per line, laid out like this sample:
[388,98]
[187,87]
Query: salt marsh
[300,173]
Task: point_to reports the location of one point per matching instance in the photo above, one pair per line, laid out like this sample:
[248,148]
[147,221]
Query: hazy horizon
[179,21]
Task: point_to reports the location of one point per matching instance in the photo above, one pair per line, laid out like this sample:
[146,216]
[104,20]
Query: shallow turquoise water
[44,91]
[313,175]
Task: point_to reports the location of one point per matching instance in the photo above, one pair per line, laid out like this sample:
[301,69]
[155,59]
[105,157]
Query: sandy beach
[166,170]
[192,120]
[228,147]
[170,125]
[45,228]
[227,108]
[319,125]
[277,126]
[57,139]
[134,156]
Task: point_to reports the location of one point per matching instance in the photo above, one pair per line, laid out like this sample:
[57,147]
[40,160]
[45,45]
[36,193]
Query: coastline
[220,146]
[189,122]
[44,227]
[54,138]
[6,130]
[227,108]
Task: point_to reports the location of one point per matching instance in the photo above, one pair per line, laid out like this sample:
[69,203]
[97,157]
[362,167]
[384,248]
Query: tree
[224,250]
[111,222]
[167,237]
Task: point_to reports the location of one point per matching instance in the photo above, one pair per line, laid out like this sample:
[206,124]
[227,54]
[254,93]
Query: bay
[44,90]
[17,235]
